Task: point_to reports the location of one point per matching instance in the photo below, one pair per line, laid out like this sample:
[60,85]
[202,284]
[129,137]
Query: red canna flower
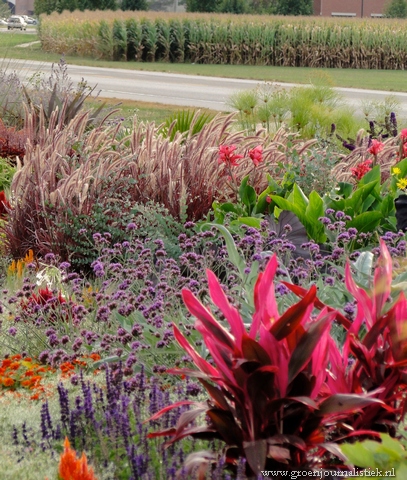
[375,147]
[361,169]
[227,156]
[403,135]
[256,154]
[44,296]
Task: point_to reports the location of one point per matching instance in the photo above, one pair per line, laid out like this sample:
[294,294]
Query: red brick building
[350,8]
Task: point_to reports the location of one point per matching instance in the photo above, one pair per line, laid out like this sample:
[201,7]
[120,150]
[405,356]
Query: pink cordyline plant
[280,389]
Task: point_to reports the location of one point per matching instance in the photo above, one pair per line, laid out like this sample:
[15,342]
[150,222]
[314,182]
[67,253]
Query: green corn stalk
[134,39]
[150,38]
[163,40]
[119,32]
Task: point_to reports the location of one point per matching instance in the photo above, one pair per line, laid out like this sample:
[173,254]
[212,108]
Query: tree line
[395,8]
[49,6]
[276,7]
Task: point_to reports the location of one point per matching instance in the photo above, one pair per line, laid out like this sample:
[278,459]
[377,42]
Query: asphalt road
[182,90]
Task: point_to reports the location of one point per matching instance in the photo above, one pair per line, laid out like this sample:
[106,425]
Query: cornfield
[228,39]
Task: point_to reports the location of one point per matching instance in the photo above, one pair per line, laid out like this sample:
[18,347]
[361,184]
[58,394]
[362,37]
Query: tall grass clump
[310,111]
[229,39]
[99,175]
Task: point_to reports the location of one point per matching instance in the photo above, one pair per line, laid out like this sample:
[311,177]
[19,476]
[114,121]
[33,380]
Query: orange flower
[95,357]
[26,383]
[8,382]
[72,468]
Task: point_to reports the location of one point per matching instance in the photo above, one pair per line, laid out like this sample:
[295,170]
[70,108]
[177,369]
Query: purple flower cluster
[116,414]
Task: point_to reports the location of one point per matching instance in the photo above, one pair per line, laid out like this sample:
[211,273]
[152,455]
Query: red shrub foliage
[12,141]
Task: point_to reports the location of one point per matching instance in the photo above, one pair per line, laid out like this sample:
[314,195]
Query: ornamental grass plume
[386,156]
[72,468]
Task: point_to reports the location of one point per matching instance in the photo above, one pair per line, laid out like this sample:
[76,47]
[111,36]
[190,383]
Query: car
[29,20]
[2,22]
[16,22]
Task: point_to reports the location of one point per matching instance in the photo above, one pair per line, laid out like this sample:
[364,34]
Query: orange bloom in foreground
[72,468]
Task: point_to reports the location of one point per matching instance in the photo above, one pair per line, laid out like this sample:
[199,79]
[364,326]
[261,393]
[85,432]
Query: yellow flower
[402,183]
[396,171]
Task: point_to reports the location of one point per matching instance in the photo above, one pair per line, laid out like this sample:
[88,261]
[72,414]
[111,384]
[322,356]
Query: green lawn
[376,79]
[145,111]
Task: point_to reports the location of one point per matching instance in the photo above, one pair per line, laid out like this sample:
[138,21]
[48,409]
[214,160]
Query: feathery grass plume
[72,173]
[385,158]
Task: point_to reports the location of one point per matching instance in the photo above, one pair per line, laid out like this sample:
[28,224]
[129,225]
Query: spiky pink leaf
[382,279]
[223,360]
[265,304]
[189,372]
[398,329]
[191,431]
[256,454]
[319,360]
[304,350]
[279,357]
[342,403]
[216,394]
[301,292]
[201,363]
[225,424]
[334,449]
[231,313]
[305,401]
[292,318]
[294,440]
[170,407]
[189,416]
[210,324]
[337,379]
[365,303]
[253,352]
